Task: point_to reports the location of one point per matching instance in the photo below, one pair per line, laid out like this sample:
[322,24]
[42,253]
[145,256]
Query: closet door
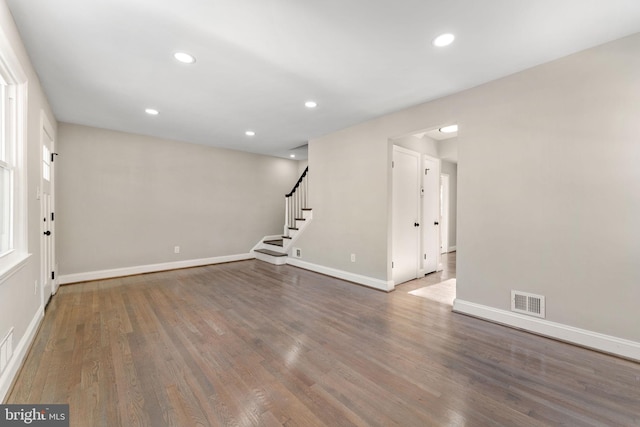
[405,215]
[431,214]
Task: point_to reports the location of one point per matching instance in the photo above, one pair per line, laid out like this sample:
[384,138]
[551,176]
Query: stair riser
[270,259]
[273,247]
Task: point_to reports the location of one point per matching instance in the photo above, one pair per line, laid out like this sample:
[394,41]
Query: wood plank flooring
[252,344]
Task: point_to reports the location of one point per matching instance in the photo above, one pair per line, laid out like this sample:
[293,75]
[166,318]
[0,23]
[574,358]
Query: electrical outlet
[297,252]
[353,257]
[176,249]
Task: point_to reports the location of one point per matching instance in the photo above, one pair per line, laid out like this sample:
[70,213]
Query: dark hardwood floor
[249,343]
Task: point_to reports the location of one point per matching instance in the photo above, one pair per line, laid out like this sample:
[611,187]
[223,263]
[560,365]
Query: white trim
[419,217]
[423,202]
[19,354]
[444,209]
[46,128]
[275,260]
[595,340]
[150,268]
[382,285]
[13,74]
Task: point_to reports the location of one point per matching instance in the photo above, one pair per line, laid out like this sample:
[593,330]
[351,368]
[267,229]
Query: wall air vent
[525,303]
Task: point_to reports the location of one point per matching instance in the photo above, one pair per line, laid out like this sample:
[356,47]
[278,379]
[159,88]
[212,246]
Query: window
[13,184]
[7,167]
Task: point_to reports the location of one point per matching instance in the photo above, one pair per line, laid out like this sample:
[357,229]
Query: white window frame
[13,75]
[7,165]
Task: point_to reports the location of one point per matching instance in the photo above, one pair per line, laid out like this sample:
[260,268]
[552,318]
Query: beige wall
[346,193]
[302,165]
[448,149]
[350,190]
[423,145]
[547,182]
[19,304]
[126,200]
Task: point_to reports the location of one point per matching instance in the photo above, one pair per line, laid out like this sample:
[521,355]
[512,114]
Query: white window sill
[12,263]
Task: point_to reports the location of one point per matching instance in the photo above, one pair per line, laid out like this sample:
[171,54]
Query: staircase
[297,215]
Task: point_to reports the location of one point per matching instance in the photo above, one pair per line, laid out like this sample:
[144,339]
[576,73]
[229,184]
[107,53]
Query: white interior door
[431,214]
[405,215]
[46,202]
[444,213]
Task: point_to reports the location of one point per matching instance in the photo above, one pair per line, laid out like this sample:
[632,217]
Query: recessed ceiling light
[293,156]
[151,111]
[311,104]
[444,40]
[250,133]
[184,57]
[449,129]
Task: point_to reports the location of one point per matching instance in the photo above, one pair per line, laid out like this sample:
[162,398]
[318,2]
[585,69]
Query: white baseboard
[150,268]
[19,354]
[606,343]
[382,285]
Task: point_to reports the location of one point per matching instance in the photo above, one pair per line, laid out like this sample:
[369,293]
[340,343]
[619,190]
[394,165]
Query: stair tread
[306,209]
[275,242]
[286,237]
[300,219]
[270,252]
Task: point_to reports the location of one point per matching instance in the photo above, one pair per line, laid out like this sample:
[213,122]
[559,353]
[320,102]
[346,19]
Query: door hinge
[53,216]
[393,164]
[53,275]
[52,156]
[426,171]
[425,256]
[391,264]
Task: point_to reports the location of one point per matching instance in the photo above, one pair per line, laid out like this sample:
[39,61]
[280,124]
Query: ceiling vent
[525,303]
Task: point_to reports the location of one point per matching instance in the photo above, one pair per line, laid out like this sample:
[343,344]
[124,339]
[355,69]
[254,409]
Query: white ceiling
[102,62]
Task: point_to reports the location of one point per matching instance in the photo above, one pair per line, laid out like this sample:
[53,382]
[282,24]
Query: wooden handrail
[295,202]
[293,190]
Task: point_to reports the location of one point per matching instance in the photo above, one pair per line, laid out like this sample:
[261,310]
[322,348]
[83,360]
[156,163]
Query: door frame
[424,221]
[47,129]
[445,185]
[419,238]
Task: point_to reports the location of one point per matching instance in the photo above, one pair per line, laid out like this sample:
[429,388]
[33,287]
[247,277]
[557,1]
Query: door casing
[46,193]
[405,215]
[431,218]
[415,199]
[444,212]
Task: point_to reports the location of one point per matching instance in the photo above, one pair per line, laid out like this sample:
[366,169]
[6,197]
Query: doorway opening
[424,177]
